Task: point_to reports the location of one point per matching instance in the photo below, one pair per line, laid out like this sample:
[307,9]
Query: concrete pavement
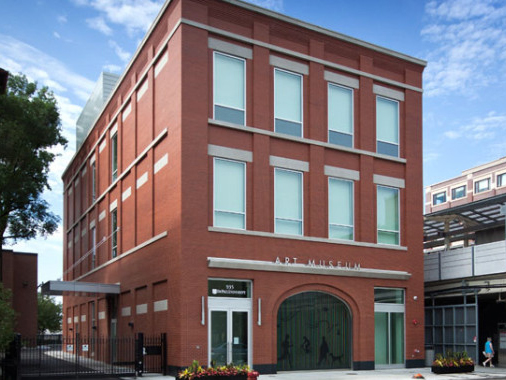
[386,374]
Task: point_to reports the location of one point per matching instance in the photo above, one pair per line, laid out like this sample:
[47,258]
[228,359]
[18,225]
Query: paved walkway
[387,374]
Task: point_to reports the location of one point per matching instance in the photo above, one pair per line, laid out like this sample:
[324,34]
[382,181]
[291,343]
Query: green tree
[7,317]
[49,314]
[29,131]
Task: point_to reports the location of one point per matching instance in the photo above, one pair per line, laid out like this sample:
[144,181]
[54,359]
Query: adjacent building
[465,261]
[18,273]
[253,188]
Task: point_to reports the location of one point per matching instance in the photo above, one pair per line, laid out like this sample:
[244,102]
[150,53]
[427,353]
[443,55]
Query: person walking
[489,352]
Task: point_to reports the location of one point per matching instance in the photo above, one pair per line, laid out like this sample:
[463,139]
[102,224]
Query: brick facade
[164,191]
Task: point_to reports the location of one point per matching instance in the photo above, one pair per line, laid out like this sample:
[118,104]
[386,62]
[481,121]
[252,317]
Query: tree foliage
[7,317]
[49,314]
[29,129]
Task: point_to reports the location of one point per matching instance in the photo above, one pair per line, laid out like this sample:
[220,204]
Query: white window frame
[93,182]
[214,84]
[434,194]
[352,113]
[453,188]
[114,157]
[352,207]
[398,211]
[114,233]
[301,199]
[214,193]
[503,182]
[476,182]
[398,125]
[301,102]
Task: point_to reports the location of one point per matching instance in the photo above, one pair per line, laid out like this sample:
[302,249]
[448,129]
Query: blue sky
[66,44]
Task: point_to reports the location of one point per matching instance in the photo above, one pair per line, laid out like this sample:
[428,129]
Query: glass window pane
[397,338]
[340,209]
[288,194]
[340,109]
[287,96]
[381,342]
[389,296]
[388,214]
[387,120]
[219,349]
[289,227]
[228,81]
[229,193]
[340,138]
[288,127]
[229,114]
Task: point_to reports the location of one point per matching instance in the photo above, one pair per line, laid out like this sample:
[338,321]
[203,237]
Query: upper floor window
[287,103]
[482,185]
[340,115]
[229,89]
[229,194]
[501,180]
[288,202]
[93,235]
[387,126]
[114,157]
[340,209]
[388,215]
[439,198]
[93,182]
[459,192]
[114,232]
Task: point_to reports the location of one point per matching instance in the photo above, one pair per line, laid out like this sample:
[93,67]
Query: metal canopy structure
[57,288]
[462,222]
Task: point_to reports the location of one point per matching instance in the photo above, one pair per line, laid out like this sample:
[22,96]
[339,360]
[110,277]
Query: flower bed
[229,372]
[457,362]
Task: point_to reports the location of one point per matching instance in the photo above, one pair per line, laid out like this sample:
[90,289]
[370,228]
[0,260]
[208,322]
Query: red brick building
[254,186]
[18,272]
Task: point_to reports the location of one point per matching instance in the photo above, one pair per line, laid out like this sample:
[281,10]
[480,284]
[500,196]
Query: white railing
[477,260]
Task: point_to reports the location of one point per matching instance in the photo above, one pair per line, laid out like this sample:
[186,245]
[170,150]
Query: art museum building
[252,187]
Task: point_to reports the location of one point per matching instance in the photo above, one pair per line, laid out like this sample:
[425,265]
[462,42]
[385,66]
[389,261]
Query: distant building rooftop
[103,88]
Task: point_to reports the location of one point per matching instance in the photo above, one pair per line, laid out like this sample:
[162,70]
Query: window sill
[304,140]
[305,238]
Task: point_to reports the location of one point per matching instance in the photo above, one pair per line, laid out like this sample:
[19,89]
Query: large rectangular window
[114,232]
[340,115]
[288,202]
[114,157]
[501,180]
[93,233]
[439,198]
[287,103]
[459,192]
[387,126]
[229,194]
[482,185]
[93,182]
[340,209]
[229,89]
[388,215]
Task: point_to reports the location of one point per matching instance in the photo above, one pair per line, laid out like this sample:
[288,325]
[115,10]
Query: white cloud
[98,23]
[113,68]
[19,57]
[56,35]
[62,19]
[122,54]
[134,15]
[468,42]
[489,127]
[452,134]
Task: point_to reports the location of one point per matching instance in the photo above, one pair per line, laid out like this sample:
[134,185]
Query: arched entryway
[314,332]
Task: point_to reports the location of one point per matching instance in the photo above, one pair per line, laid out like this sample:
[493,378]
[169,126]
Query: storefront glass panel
[314,331]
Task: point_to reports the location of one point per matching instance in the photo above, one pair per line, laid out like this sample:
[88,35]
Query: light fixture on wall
[131,325]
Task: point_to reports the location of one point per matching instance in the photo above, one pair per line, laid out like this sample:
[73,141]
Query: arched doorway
[314,332]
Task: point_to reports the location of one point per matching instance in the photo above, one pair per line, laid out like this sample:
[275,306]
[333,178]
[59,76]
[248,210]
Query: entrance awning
[56,288]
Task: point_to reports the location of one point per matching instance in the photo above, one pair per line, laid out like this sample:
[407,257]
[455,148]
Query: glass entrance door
[389,309]
[229,337]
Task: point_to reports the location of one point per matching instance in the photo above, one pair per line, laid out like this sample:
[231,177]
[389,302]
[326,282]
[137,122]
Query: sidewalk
[387,374]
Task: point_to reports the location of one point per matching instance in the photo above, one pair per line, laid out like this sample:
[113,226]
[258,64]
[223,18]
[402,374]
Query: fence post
[11,362]
[139,354]
[76,353]
[164,353]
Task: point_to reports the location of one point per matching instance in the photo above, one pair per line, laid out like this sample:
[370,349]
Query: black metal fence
[78,356]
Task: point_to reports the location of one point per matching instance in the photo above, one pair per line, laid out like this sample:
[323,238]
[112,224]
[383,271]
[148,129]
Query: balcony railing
[477,260]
